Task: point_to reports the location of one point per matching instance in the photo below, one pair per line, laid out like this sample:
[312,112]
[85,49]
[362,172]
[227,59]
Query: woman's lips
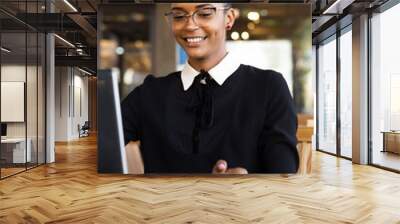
[194,41]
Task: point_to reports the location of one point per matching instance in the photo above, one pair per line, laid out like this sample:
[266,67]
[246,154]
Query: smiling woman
[217,114]
[201,30]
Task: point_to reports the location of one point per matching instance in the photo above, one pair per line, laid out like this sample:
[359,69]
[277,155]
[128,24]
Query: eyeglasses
[200,17]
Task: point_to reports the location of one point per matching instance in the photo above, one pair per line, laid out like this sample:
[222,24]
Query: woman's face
[202,40]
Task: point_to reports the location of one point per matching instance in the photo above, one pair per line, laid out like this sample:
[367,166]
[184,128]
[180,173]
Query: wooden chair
[83,130]
[304,135]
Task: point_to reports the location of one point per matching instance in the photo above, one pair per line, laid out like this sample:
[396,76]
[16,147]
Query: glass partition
[22,89]
[13,95]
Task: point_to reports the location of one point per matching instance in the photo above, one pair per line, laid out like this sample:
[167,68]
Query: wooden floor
[10,171]
[5,172]
[70,191]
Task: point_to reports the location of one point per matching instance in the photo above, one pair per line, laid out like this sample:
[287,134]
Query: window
[385,89]
[327,96]
[346,93]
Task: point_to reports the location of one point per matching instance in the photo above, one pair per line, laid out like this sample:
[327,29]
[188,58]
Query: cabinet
[391,141]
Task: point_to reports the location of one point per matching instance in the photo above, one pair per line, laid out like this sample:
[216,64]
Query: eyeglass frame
[187,15]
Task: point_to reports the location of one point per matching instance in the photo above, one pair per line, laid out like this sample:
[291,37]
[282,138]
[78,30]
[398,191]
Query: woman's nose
[191,24]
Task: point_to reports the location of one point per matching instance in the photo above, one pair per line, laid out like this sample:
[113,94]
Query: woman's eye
[179,17]
[205,14]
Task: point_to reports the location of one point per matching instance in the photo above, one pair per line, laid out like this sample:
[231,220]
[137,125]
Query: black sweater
[254,124]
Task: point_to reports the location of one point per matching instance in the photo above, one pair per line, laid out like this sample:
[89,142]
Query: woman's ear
[230,18]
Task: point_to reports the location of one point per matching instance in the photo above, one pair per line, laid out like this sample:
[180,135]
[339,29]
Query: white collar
[228,65]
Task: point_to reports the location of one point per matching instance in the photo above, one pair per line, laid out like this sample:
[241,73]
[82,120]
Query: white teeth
[194,39]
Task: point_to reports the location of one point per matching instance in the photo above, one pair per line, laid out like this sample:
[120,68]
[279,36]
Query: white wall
[12,73]
[71,94]
[62,81]
[80,112]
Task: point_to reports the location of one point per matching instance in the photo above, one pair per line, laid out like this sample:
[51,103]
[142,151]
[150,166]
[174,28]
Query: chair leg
[305,154]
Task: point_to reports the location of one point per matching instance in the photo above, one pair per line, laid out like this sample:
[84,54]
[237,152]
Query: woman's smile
[194,41]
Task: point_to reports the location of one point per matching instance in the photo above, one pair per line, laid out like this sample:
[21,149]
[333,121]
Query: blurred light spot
[137,17]
[128,76]
[264,12]
[251,26]
[235,35]
[245,35]
[138,44]
[253,16]
[120,50]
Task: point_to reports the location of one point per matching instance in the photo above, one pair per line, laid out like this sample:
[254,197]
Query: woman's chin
[196,56]
[195,53]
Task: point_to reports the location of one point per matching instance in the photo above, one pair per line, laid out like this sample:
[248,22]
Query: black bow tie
[203,106]
[203,78]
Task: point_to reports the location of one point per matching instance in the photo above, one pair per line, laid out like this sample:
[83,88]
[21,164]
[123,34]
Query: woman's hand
[135,162]
[221,167]
[134,158]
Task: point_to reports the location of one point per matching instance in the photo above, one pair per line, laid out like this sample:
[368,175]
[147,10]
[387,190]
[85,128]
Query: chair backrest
[303,119]
[304,134]
[86,124]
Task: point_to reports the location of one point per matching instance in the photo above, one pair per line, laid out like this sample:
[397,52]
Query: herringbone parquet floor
[71,191]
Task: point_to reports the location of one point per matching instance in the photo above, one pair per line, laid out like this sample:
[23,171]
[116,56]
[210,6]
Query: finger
[220,167]
[236,170]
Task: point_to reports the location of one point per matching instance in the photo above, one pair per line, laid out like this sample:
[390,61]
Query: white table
[19,155]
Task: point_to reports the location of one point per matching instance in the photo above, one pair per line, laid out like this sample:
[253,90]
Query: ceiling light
[337,7]
[84,71]
[65,41]
[70,5]
[5,50]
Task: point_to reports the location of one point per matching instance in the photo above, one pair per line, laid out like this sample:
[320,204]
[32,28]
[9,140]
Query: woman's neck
[207,63]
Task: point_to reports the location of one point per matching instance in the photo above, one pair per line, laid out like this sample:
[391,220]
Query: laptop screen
[3,129]
[110,139]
